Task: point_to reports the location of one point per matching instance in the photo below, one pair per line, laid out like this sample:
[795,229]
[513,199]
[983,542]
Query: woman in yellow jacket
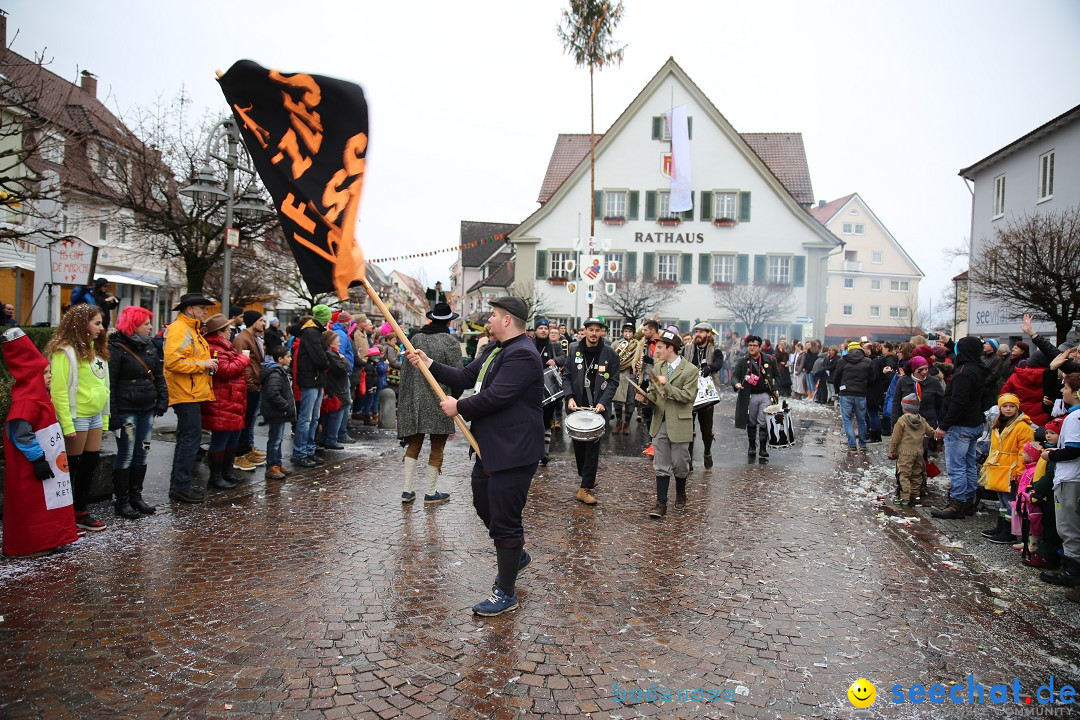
[78,354]
[1005,464]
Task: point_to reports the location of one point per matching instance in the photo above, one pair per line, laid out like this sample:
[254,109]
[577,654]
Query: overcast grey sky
[466,98]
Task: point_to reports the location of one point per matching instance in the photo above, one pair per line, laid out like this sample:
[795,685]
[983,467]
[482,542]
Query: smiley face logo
[61,461]
[862,693]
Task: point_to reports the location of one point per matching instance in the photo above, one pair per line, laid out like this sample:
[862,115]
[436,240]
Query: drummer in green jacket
[672,395]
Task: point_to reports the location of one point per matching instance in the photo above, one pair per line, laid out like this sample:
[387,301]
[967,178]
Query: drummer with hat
[551,355]
[592,369]
[671,393]
[708,358]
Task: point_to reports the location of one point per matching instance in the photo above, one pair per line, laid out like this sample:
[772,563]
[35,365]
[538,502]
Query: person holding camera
[755,379]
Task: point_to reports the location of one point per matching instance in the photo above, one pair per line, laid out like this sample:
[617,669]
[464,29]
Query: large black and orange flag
[307,136]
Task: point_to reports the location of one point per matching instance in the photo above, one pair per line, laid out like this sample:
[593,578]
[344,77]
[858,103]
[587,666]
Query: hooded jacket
[38,515]
[311,361]
[963,395]
[227,411]
[185,347]
[136,378]
[853,372]
[1027,384]
[1005,460]
[278,403]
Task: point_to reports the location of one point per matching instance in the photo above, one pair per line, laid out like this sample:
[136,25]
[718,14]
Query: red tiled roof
[824,213]
[73,111]
[782,153]
[785,156]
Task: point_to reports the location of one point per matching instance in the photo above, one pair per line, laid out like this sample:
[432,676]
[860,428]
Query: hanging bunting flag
[308,136]
[681,197]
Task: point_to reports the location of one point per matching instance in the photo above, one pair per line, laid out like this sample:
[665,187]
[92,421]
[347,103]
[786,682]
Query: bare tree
[911,319]
[637,299]
[32,155]
[535,299]
[1031,265]
[147,178]
[753,305]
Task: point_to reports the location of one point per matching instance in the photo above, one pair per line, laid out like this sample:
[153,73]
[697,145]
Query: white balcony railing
[852,266]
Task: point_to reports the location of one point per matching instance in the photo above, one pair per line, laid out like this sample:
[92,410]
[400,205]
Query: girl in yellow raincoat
[1005,463]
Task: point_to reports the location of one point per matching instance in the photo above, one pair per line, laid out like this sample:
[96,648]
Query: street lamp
[205,189]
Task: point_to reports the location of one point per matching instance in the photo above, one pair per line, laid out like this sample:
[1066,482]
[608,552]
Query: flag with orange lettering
[307,135]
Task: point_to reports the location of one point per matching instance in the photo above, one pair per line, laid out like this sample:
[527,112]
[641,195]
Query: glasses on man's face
[750,345]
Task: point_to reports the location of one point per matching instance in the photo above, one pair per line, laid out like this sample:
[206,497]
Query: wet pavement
[323,597]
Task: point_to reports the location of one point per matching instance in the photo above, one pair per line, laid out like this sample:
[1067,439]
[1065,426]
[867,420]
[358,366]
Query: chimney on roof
[89,83]
[821,203]
[3,30]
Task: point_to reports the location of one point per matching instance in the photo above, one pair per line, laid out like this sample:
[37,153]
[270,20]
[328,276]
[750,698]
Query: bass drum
[780,426]
[585,425]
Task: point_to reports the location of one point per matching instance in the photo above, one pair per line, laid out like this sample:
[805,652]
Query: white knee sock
[432,478]
[410,473]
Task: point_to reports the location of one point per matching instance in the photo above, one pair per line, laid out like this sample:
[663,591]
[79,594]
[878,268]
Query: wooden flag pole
[423,368]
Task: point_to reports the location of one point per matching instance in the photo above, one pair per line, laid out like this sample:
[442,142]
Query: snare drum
[585,425]
[706,393]
[553,385]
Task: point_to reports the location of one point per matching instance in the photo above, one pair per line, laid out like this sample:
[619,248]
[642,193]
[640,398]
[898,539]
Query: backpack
[819,365]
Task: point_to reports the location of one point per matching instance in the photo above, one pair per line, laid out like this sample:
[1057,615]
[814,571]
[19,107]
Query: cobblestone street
[324,597]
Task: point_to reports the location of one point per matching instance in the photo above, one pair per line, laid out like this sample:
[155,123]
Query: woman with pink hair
[138,396]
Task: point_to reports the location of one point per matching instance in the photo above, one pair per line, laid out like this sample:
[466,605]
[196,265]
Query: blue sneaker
[496,604]
[436,499]
[407,497]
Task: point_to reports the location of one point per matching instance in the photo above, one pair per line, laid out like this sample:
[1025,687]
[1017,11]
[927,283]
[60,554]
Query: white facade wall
[631,160]
[1000,319]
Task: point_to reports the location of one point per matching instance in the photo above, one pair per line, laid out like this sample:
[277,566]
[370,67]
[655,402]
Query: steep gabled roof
[824,213]
[502,277]
[472,231]
[778,150]
[841,203]
[569,152]
[785,155]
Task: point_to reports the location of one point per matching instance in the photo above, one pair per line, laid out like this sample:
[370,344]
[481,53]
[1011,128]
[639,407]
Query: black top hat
[442,313]
[189,299]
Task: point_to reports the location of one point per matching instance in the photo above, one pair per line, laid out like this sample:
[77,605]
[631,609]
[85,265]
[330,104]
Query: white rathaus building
[750,224]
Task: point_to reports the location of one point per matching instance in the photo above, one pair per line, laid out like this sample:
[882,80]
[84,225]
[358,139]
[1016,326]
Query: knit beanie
[917,362]
[251,317]
[321,313]
[993,343]
[1032,451]
[910,403]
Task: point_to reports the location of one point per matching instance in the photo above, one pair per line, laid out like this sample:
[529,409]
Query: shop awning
[125,279]
[21,264]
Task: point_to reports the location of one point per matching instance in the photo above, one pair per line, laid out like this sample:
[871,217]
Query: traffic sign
[232,237]
[803,320]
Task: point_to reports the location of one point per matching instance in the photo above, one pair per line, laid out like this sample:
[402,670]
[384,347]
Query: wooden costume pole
[423,368]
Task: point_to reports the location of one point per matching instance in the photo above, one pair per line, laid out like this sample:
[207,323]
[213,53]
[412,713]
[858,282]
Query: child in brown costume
[907,449]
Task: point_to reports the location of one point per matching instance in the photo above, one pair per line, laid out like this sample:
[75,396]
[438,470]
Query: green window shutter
[759,269]
[689,214]
[689,127]
[742,270]
[744,207]
[706,205]
[800,271]
[649,269]
[632,205]
[686,274]
[541,265]
[704,269]
[631,266]
[650,204]
[657,127]
[598,199]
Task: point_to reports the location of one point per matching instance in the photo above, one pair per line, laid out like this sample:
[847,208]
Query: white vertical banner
[681,195]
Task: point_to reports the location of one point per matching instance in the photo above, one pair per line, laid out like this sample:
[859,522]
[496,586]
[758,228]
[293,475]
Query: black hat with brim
[442,313]
[514,306]
[189,299]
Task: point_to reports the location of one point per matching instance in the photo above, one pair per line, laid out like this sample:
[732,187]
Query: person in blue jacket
[508,422]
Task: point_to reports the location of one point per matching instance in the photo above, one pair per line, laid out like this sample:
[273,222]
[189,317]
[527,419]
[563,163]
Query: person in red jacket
[1027,384]
[224,416]
[38,513]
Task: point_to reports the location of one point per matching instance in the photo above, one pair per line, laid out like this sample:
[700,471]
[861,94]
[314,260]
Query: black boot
[751,436]
[121,488]
[663,482]
[217,481]
[996,530]
[138,475]
[1004,535]
[227,473]
[763,443]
